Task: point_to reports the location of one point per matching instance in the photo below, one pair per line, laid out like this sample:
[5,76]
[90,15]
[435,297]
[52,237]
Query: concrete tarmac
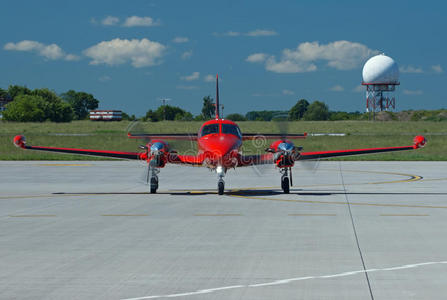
[347,230]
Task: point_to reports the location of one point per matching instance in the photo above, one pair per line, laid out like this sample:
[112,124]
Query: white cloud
[253,33]
[261,32]
[105,78]
[71,57]
[288,92]
[180,39]
[410,69]
[288,66]
[264,94]
[110,21]
[193,76]
[186,87]
[140,53]
[413,92]
[232,33]
[186,54]
[140,21]
[337,88]
[437,69]
[341,55]
[359,89]
[209,78]
[256,57]
[51,52]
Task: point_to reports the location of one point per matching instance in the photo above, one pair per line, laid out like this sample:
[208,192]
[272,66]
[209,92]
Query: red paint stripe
[356,150]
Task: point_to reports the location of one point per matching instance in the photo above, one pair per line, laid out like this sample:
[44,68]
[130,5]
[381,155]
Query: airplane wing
[418,142]
[256,159]
[248,160]
[19,141]
[164,136]
[192,160]
[272,136]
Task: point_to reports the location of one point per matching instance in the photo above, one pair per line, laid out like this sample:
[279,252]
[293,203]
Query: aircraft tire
[220,187]
[154,185]
[285,185]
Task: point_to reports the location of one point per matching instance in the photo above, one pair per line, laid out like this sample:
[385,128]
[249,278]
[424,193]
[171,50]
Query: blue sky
[268,54]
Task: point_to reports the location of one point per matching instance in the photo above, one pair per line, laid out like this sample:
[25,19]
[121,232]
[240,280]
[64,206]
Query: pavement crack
[355,232]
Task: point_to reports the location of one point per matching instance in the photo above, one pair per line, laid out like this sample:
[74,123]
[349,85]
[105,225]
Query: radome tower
[380,76]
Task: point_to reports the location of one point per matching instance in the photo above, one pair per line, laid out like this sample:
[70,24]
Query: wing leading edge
[19,141]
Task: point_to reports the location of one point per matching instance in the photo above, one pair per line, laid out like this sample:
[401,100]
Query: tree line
[41,105]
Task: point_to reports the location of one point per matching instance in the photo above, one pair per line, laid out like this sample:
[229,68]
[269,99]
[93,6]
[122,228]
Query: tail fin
[217,96]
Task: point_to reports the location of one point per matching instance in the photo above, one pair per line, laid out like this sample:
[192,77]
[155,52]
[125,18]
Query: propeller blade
[282,123]
[309,165]
[136,128]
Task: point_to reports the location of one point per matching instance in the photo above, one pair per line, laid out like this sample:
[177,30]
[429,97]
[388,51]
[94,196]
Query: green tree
[25,108]
[16,90]
[317,111]
[127,117]
[81,103]
[298,110]
[208,108]
[235,117]
[3,93]
[55,109]
[264,115]
[168,112]
[151,116]
[186,116]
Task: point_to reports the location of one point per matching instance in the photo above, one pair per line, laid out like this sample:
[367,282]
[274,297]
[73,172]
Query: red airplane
[219,144]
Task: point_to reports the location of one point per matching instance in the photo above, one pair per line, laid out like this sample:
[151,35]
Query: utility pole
[164,101]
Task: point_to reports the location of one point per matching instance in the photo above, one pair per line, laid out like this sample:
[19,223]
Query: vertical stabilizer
[217,96]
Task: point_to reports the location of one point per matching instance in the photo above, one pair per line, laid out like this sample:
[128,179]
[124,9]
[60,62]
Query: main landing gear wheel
[154,185]
[285,184]
[220,187]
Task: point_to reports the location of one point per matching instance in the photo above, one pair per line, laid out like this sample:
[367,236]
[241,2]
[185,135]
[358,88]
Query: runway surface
[350,230]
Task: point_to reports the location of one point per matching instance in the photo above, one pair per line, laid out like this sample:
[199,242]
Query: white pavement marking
[285,281]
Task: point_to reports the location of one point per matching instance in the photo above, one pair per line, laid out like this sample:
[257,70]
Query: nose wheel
[154,184]
[220,186]
[285,185]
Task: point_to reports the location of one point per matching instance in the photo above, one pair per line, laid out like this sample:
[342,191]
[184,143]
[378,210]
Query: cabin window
[231,129]
[210,129]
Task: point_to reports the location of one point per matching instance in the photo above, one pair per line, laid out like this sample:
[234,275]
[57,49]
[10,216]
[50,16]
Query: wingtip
[419,141]
[19,141]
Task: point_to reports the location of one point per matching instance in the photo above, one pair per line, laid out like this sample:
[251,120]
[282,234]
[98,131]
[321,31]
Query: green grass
[112,136]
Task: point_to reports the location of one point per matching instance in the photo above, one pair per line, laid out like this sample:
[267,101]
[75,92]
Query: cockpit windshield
[210,129]
[231,129]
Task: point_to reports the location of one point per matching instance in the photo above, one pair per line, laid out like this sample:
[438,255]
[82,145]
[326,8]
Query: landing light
[219,170]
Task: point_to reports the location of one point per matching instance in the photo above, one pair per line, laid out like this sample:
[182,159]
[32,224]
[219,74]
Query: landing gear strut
[152,172]
[285,185]
[220,183]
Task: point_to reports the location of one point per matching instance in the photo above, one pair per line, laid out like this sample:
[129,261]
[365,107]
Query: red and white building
[106,115]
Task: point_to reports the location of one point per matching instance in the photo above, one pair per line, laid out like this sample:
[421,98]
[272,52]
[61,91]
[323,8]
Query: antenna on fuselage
[217,96]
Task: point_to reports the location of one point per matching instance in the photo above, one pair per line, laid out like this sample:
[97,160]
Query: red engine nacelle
[285,153]
[156,150]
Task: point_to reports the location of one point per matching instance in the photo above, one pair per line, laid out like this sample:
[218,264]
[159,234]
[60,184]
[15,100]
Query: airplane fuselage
[219,142]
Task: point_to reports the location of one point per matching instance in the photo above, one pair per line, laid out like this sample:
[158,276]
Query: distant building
[106,115]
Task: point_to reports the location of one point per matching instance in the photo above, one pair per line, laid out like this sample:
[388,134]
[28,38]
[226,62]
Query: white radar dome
[381,69]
